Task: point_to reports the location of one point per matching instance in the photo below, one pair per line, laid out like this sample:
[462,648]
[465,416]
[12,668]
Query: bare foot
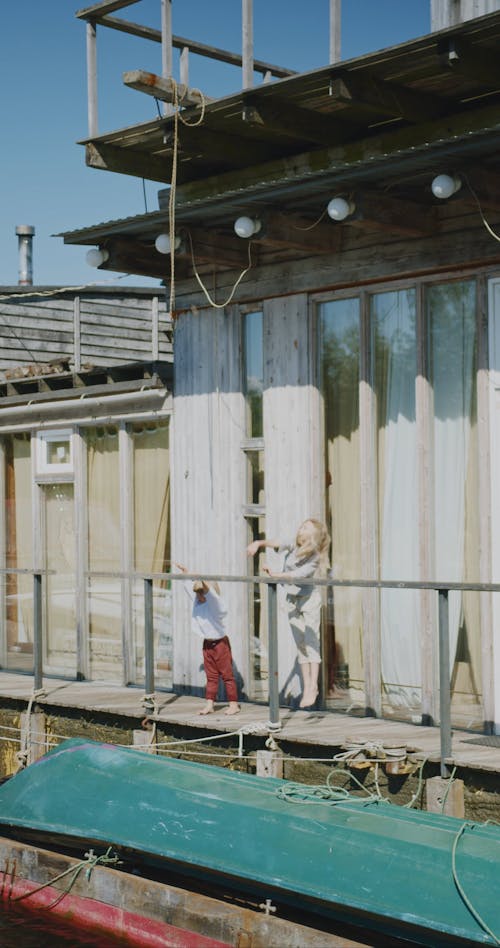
[233,708]
[308,699]
[208,709]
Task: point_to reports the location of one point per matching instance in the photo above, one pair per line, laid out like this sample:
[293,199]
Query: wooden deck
[326,731]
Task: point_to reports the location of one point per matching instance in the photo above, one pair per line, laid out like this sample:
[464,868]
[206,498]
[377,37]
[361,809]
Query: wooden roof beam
[210,246]
[140,259]
[298,233]
[103,8]
[480,64]
[128,161]
[385,98]
[280,115]
[392,215]
[164,88]
[220,149]
[486,187]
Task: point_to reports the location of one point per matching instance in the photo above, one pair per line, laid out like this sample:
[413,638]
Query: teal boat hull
[430,879]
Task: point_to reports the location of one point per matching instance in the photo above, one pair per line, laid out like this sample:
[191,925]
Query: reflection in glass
[59,558]
[19,551]
[394,355]
[253,372]
[151,478]
[453,349]
[103,511]
[340,353]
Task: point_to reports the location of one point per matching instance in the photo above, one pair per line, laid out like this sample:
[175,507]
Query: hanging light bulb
[339,208]
[96,256]
[444,185]
[247,226]
[162,243]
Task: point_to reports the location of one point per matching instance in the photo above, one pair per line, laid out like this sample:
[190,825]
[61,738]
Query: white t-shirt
[299,568]
[208,617]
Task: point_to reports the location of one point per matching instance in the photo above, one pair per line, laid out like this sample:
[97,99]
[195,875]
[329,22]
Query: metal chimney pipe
[25,240]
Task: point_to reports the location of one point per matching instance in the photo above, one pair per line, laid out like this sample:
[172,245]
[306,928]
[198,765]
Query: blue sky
[43,103]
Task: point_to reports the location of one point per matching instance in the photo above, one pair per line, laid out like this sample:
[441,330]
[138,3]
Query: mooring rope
[88,863]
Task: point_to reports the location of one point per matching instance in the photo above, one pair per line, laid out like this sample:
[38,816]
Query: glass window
[54,452]
[104,553]
[253,372]
[255,477]
[340,361]
[19,551]
[394,367]
[59,556]
[151,479]
[451,310]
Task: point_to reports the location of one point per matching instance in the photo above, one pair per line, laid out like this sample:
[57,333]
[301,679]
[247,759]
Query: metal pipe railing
[441,588]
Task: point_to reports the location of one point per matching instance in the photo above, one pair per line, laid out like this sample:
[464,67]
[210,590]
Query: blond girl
[305,558]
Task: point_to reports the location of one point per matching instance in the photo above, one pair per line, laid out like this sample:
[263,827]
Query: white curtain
[152,542]
[340,332]
[453,338]
[103,499]
[393,316]
[59,556]
[19,542]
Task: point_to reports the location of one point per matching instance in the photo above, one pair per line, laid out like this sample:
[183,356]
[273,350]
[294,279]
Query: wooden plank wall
[293,470]
[365,256]
[88,328]
[207,478]
[209,470]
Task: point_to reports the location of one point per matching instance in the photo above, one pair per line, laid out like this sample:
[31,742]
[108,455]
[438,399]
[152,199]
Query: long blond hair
[313,538]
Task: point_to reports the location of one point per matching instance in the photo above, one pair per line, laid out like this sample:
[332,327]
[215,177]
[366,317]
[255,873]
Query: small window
[54,452]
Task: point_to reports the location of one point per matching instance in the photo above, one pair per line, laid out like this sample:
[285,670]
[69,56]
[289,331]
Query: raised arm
[257,545]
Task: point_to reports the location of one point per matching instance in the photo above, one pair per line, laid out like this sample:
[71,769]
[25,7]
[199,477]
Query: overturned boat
[402,874]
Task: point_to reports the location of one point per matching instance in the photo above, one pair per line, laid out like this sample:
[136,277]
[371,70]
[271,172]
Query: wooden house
[85,402]
[338,353]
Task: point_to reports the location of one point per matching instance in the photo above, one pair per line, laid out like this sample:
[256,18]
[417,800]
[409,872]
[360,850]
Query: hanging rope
[481,214]
[173,181]
[236,285]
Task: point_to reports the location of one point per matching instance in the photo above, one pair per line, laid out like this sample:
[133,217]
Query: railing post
[92,79]
[444,681]
[272,615]
[149,674]
[37,632]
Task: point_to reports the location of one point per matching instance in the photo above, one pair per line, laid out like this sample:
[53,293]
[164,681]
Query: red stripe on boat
[133,930]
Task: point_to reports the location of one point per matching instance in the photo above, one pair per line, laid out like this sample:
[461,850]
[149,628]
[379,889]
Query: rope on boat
[89,862]
[324,793]
[461,892]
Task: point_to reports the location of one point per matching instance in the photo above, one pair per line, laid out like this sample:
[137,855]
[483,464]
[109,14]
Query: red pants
[218,661]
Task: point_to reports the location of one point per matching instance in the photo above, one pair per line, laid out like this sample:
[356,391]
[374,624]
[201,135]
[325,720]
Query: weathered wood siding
[208,470]
[293,478]
[96,328]
[365,256]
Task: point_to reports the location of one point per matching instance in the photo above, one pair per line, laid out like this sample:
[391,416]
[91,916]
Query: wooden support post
[142,741]
[444,682]
[37,632]
[184,66]
[149,672]
[274,716]
[92,79]
[166,46]
[335,27]
[247,43]
[33,735]
[270,763]
[445,796]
